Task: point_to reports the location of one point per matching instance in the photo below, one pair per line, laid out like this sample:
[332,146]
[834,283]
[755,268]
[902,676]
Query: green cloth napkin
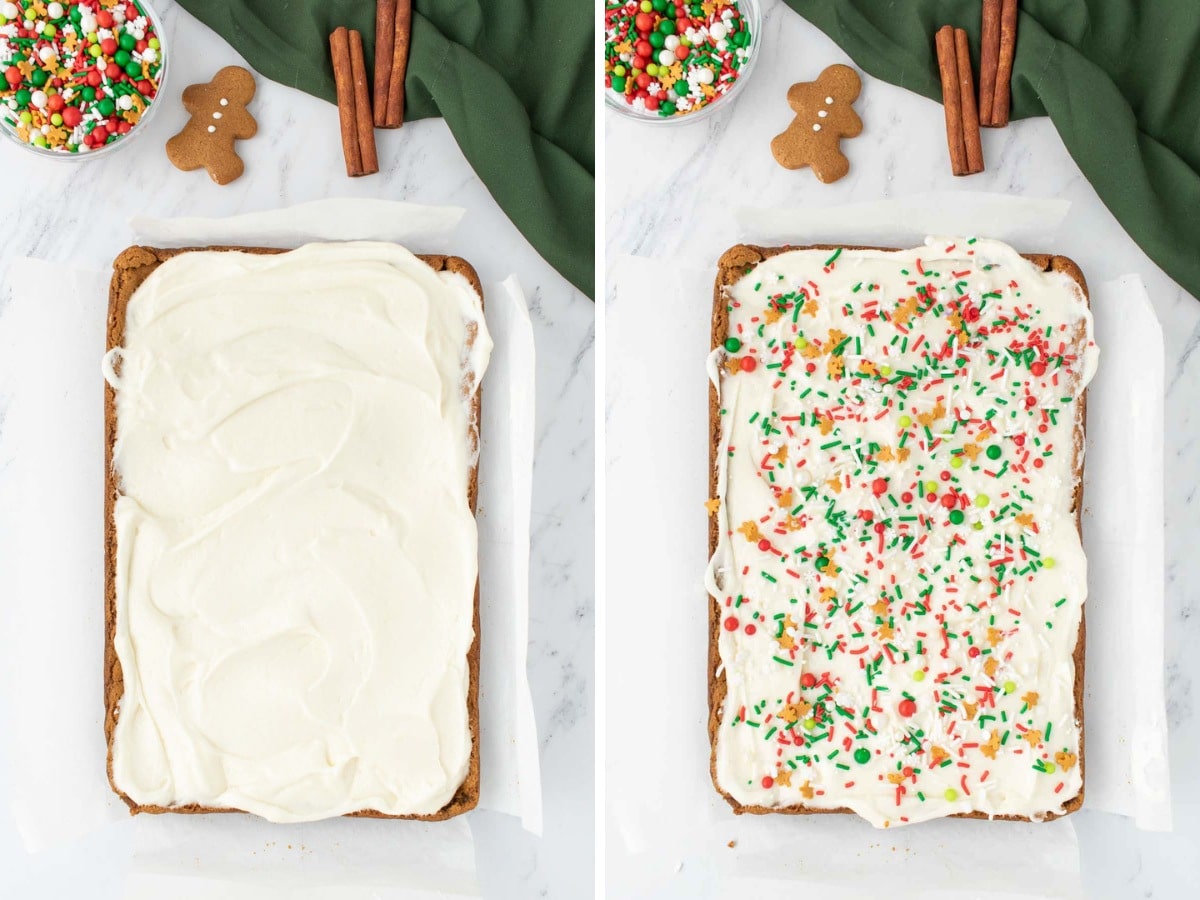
[1120,79]
[513,79]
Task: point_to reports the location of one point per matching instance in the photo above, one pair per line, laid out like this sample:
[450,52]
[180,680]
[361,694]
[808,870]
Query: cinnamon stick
[948,68]
[362,106]
[339,48]
[989,59]
[1001,103]
[385,37]
[402,34]
[966,93]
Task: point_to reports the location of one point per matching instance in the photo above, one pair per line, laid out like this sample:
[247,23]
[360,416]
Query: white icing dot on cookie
[828,101]
[816,127]
[212,128]
[224,102]
[822,113]
[216,115]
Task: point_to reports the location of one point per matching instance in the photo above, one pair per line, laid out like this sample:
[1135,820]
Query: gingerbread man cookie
[218,118]
[824,115]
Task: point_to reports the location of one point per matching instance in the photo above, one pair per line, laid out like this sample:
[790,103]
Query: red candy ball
[748,363]
[72,117]
[145,88]
[643,49]
[949,501]
[1037,369]
[731,623]
[643,23]
[643,80]
[681,52]
[973,652]
[879,486]
[808,680]
[109,46]
[907,708]
[93,78]
[105,20]
[113,71]
[768,781]
[54,103]
[12,75]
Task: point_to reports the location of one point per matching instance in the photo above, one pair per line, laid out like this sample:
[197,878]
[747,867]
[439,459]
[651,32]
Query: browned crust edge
[733,264]
[132,267]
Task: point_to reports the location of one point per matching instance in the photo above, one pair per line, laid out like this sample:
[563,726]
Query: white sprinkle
[216,115]
[828,101]
[212,128]
[816,127]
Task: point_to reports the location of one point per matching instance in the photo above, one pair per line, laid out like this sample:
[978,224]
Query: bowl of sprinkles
[677,60]
[80,76]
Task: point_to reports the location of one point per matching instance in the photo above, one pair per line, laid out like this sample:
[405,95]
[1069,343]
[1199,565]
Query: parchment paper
[660,794]
[51,582]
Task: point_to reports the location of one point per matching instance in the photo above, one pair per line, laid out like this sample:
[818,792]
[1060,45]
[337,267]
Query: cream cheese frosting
[899,573]
[296,554]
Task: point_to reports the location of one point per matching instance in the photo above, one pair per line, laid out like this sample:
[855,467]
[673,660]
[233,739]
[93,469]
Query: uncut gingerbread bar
[897,573]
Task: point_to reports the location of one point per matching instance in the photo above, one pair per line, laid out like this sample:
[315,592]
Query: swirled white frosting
[296,555]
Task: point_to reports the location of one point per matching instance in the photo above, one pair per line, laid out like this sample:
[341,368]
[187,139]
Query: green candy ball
[667,26]
[657,40]
[733,345]
[666,108]
[121,58]
[618,84]
[862,756]
[994,451]
[956,516]
[88,93]
[23,97]
[133,69]
[681,88]
[127,41]
[106,107]
[39,77]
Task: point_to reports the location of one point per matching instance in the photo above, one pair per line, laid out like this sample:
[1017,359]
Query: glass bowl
[10,132]
[752,13]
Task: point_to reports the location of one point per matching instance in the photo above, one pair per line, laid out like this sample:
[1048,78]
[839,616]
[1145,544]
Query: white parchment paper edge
[679,815]
[51,443]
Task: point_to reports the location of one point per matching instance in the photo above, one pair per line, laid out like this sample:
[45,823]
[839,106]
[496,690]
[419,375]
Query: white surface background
[675,198]
[78,214]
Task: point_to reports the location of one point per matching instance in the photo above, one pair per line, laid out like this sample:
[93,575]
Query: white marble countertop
[672,199]
[77,214]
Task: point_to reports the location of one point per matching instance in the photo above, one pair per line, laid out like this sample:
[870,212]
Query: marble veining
[678,208]
[297,157]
